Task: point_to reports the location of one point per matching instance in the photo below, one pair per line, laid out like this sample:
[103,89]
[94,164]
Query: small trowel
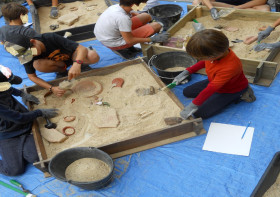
[225,12]
[170,86]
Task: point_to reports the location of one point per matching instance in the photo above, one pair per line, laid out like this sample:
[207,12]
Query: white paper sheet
[226,138]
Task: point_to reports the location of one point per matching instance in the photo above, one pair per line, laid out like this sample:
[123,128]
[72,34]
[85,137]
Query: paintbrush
[170,86]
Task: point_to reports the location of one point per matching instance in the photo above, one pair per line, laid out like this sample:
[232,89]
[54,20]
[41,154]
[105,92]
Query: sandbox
[141,117]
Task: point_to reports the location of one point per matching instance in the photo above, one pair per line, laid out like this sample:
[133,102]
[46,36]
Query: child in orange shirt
[226,81]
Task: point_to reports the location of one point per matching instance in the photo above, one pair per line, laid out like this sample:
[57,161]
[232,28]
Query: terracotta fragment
[118,82]
[250,39]
[173,120]
[231,29]
[48,93]
[52,135]
[105,117]
[60,6]
[68,131]
[69,118]
[68,19]
[262,28]
[73,9]
[87,88]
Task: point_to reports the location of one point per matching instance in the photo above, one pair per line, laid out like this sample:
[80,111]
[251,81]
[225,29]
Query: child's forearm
[276,23]
[39,81]
[208,4]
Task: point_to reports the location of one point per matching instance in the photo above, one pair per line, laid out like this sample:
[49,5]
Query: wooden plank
[244,14]
[153,145]
[42,155]
[250,66]
[258,72]
[36,23]
[181,23]
[151,138]
[148,141]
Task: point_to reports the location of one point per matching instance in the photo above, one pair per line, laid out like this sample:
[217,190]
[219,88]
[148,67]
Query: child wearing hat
[226,81]
[17,145]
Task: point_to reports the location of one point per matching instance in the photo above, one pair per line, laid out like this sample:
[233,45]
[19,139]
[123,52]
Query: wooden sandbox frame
[169,134]
[260,72]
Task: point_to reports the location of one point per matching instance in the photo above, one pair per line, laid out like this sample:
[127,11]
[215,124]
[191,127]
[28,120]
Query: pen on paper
[246,129]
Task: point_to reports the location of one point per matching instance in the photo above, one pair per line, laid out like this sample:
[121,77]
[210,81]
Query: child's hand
[263,46]
[189,110]
[214,13]
[181,77]
[74,71]
[57,91]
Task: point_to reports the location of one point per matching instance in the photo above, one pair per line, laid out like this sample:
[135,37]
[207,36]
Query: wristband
[79,61]
[50,89]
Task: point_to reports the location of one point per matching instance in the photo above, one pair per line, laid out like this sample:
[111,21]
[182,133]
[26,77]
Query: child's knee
[187,92]
[93,57]
[156,26]
[147,16]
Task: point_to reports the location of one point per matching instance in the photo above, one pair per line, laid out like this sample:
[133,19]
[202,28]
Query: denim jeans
[215,103]
[15,153]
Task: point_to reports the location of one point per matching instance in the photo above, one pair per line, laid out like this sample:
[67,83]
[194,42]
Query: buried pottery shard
[69,118]
[52,135]
[117,82]
[173,120]
[231,29]
[105,117]
[250,39]
[87,88]
[68,19]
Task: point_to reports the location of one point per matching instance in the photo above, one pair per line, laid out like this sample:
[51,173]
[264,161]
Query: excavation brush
[170,86]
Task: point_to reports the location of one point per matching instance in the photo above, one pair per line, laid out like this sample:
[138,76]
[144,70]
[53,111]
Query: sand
[125,101]
[246,28]
[274,190]
[86,17]
[87,170]
[175,69]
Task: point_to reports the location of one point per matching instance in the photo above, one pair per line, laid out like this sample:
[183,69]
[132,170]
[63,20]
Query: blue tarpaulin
[181,168]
